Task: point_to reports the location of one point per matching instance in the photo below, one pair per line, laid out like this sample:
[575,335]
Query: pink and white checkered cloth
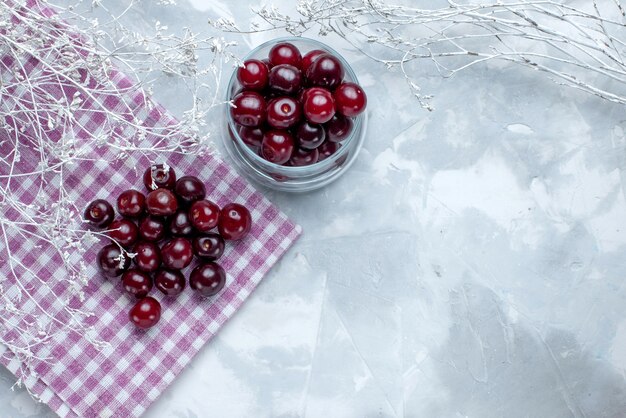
[123,379]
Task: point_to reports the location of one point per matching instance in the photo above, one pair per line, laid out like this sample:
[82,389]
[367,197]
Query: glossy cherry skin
[124,232]
[327,149]
[326,71]
[209,246]
[338,128]
[204,215]
[285,79]
[310,135]
[309,57]
[170,282]
[252,137]
[207,279]
[147,256]
[283,112]
[137,283]
[145,313]
[177,253]
[161,202]
[235,222]
[302,95]
[159,176]
[189,189]
[350,99]
[277,146]
[253,75]
[249,109]
[285,53]
[301,157]
[151,229]
[180,225]
[270,94]
[319,105]
[112,260]
[131,203]
[99,213]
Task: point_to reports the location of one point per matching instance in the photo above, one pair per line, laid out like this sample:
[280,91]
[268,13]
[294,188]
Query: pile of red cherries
[161,232]
[295,110]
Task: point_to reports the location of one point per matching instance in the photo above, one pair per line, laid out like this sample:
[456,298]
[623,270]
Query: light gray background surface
[470,264]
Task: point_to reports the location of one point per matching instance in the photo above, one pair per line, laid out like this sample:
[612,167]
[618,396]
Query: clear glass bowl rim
[291,170]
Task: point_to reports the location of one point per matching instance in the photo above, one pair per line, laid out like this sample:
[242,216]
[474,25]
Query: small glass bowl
[288,178]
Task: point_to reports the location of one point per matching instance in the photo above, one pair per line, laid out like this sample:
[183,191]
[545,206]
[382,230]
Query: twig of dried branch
[580,46]
[43,112]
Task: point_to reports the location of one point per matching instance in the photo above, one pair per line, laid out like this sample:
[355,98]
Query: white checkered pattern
[125,378]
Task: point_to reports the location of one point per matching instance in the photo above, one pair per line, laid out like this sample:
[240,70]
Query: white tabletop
[470,264]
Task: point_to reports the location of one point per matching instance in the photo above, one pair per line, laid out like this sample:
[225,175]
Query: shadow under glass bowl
[290,178]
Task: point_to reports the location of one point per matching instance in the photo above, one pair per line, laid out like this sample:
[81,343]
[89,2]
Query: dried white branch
[42,131]
[577,46]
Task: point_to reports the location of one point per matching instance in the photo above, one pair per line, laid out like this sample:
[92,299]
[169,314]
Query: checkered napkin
[125,377]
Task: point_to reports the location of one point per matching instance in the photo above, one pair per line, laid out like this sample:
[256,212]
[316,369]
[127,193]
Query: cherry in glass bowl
[335,158]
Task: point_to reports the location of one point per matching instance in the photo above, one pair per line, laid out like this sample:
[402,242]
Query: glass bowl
[290,178]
